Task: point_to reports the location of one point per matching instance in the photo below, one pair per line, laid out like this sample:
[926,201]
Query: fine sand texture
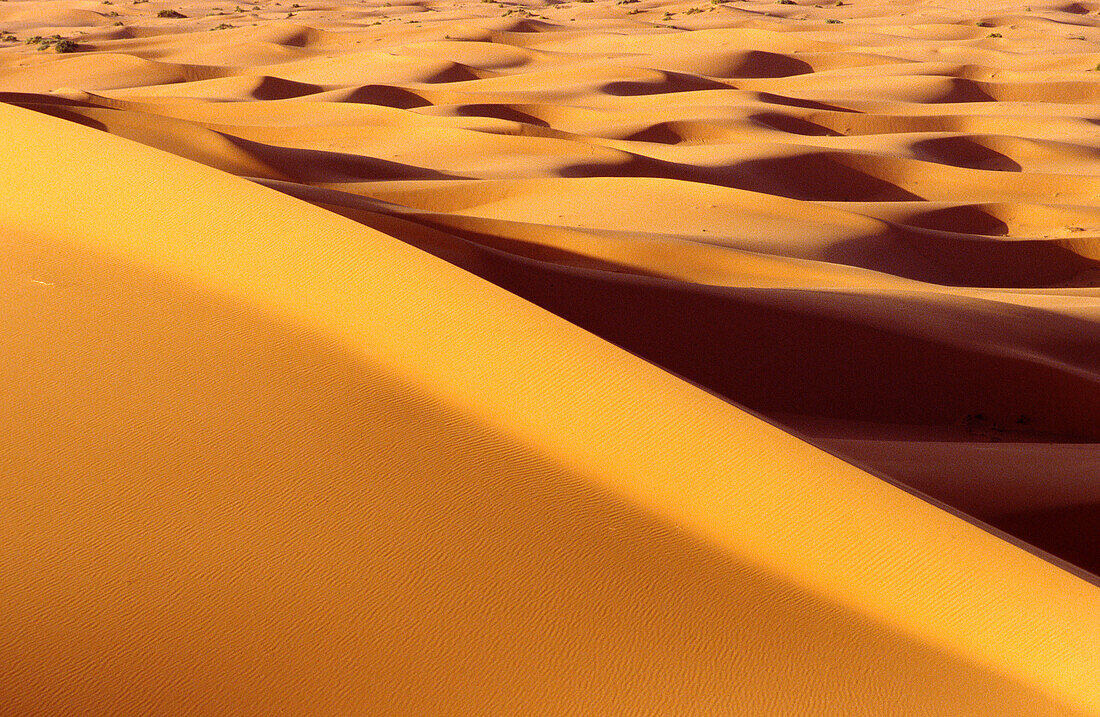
[514,357]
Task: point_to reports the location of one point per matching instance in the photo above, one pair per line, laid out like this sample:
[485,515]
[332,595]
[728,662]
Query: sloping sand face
[354,430]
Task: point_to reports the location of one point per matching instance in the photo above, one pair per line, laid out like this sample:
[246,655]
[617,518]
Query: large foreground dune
[549,358]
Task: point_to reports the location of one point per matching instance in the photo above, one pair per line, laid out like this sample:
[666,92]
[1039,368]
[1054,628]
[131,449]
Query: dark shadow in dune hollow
[817,176]
[501,112]
[386,96]
[314,165]
[669,82]
[792,125]
[1072,533]
[764,65]
[965,153]
[950,259]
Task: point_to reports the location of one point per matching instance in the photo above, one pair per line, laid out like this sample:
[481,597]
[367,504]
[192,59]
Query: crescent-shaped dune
[549,358]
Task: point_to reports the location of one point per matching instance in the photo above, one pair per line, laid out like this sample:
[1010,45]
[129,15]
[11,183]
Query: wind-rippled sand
[315,442]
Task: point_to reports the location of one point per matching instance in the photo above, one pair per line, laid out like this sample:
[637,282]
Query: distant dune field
[516,357]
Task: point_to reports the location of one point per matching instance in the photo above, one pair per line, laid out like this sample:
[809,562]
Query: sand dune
[570,357]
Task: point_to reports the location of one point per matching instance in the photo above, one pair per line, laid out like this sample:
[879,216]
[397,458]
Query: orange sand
[470,358]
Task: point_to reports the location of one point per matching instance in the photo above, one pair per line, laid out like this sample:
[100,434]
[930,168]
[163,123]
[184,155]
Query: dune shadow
[501,112]
[963,90]
[55,106]
[529,27]
[641,166]
[304,36]
[386,96]
[309,165]
[668,83]
[966,153]
[817,176]
[813,177]
[774,99]
[792,125]
[966,219]
[1072,533]
[660,133]
[1076,8]
[938,257]
[454,73]
[277,88]
[762,65]
[23,99]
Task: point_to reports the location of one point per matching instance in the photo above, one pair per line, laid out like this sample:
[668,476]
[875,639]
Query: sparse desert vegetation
[56,42]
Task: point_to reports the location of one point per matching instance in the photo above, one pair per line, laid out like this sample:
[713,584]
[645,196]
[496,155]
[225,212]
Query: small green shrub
[171,14]
[58,43]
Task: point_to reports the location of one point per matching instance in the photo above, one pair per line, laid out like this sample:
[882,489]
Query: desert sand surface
[524,357]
